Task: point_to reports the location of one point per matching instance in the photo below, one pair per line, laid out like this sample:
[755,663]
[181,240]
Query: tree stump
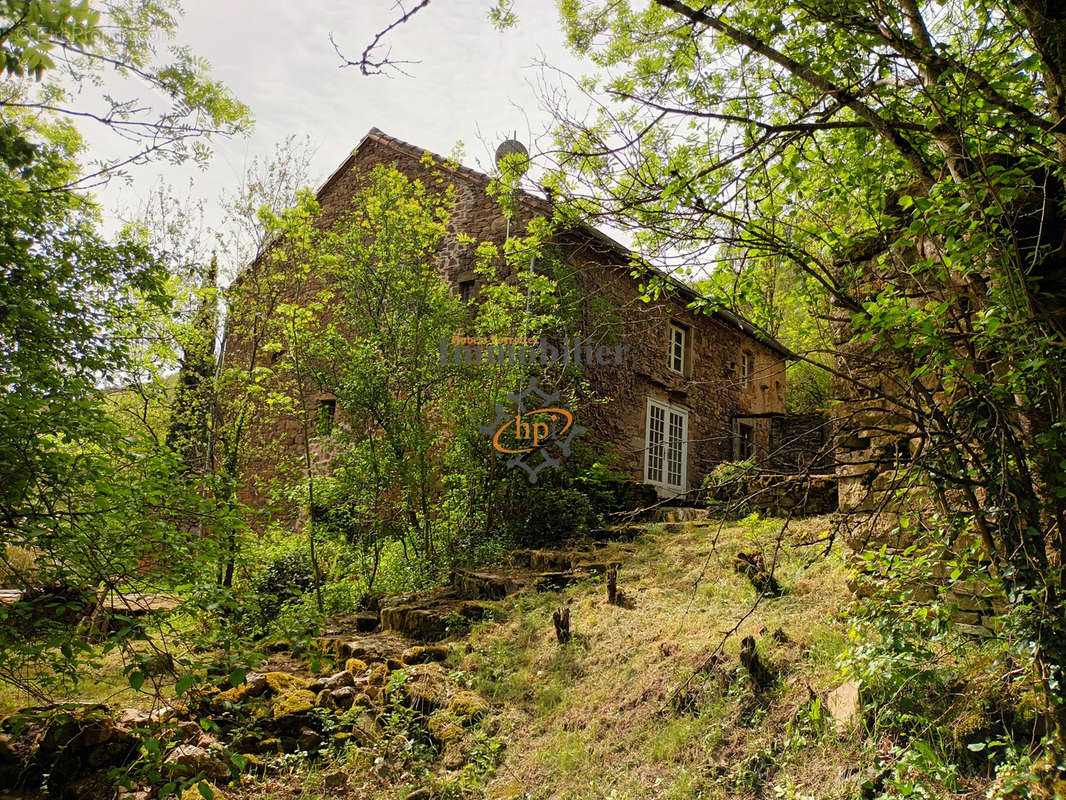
[612,584]
[752,565]
[561,618]
[749,658]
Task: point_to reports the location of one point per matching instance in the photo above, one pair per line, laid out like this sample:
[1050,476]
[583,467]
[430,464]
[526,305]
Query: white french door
[666,446]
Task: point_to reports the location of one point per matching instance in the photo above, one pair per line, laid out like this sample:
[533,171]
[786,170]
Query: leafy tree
[66,48]
[899,156]
[89,495]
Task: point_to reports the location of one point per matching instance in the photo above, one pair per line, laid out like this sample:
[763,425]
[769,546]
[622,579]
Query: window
[678,345]
[467,291]
[744,442]
[324,414]
[666,442]
[745,369]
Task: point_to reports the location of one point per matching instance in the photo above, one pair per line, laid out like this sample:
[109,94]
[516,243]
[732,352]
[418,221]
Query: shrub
[286,576]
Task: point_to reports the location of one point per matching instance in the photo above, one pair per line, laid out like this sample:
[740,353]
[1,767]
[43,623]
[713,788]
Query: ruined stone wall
[878,432]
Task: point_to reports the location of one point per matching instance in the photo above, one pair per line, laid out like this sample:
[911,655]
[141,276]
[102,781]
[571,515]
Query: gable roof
[544,207]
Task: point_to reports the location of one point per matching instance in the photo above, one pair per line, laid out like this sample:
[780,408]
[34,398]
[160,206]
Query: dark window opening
[745,442]
[324,414]
[467,291]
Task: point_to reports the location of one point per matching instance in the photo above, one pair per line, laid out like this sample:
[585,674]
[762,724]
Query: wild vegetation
[881,186]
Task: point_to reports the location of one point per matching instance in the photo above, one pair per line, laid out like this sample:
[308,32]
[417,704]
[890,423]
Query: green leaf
[185,682]
[136,680]
[205,790]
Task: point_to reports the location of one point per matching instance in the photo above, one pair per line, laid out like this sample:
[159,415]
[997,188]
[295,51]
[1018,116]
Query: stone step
[489,584]
[679,514]
[432,618]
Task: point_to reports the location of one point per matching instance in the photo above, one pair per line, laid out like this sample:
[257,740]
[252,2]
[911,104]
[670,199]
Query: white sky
[474,84]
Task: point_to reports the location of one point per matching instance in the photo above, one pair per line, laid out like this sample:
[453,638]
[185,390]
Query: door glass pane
[655,440]
[674,449]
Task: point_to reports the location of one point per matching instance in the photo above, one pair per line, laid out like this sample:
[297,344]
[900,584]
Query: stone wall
[801,443]
[878,432]
[773,495]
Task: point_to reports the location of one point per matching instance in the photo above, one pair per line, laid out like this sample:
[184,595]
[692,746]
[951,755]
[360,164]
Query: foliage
[898,157]
[286,576]
[550,513]
[91,495]
[66,46]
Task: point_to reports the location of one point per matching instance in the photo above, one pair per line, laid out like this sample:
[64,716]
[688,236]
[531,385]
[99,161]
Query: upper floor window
[678,348]
[745,369]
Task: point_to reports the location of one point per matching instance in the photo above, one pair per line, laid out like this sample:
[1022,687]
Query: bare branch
[368,63]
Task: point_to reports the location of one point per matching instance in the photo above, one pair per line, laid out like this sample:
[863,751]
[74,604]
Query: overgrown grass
[594,718]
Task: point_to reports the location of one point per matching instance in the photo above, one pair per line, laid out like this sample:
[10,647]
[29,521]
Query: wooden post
[562,624]
[612,584]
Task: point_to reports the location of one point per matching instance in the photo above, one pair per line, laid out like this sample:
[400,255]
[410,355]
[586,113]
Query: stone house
[695,389]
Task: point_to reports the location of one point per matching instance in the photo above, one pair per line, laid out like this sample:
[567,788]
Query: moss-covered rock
[271,745]
[252,763]
[443,726]
[255,685]
[378,675]
[324,699]
[282,682]
[356,666]
[426,687]
[420,654]
[202,789]
[362,701]
[297,701]
[468,704]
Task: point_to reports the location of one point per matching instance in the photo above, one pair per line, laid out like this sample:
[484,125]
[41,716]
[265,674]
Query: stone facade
[729,369]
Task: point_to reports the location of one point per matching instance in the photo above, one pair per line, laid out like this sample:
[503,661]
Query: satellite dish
[510,150]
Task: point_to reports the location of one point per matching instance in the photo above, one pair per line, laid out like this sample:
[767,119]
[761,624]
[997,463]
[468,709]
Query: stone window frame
[661,470]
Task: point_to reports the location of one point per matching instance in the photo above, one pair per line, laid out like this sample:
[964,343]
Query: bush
[286,576]
[547,514]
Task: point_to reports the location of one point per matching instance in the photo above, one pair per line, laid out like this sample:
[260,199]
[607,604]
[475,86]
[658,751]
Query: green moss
[468,704]
[282,682]
[444,727]
[298,701]
[379,675]
[238,694]
[194,792]
[356,666]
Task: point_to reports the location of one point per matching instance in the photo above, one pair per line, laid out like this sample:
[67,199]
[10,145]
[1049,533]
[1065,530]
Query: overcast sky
[474,84]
